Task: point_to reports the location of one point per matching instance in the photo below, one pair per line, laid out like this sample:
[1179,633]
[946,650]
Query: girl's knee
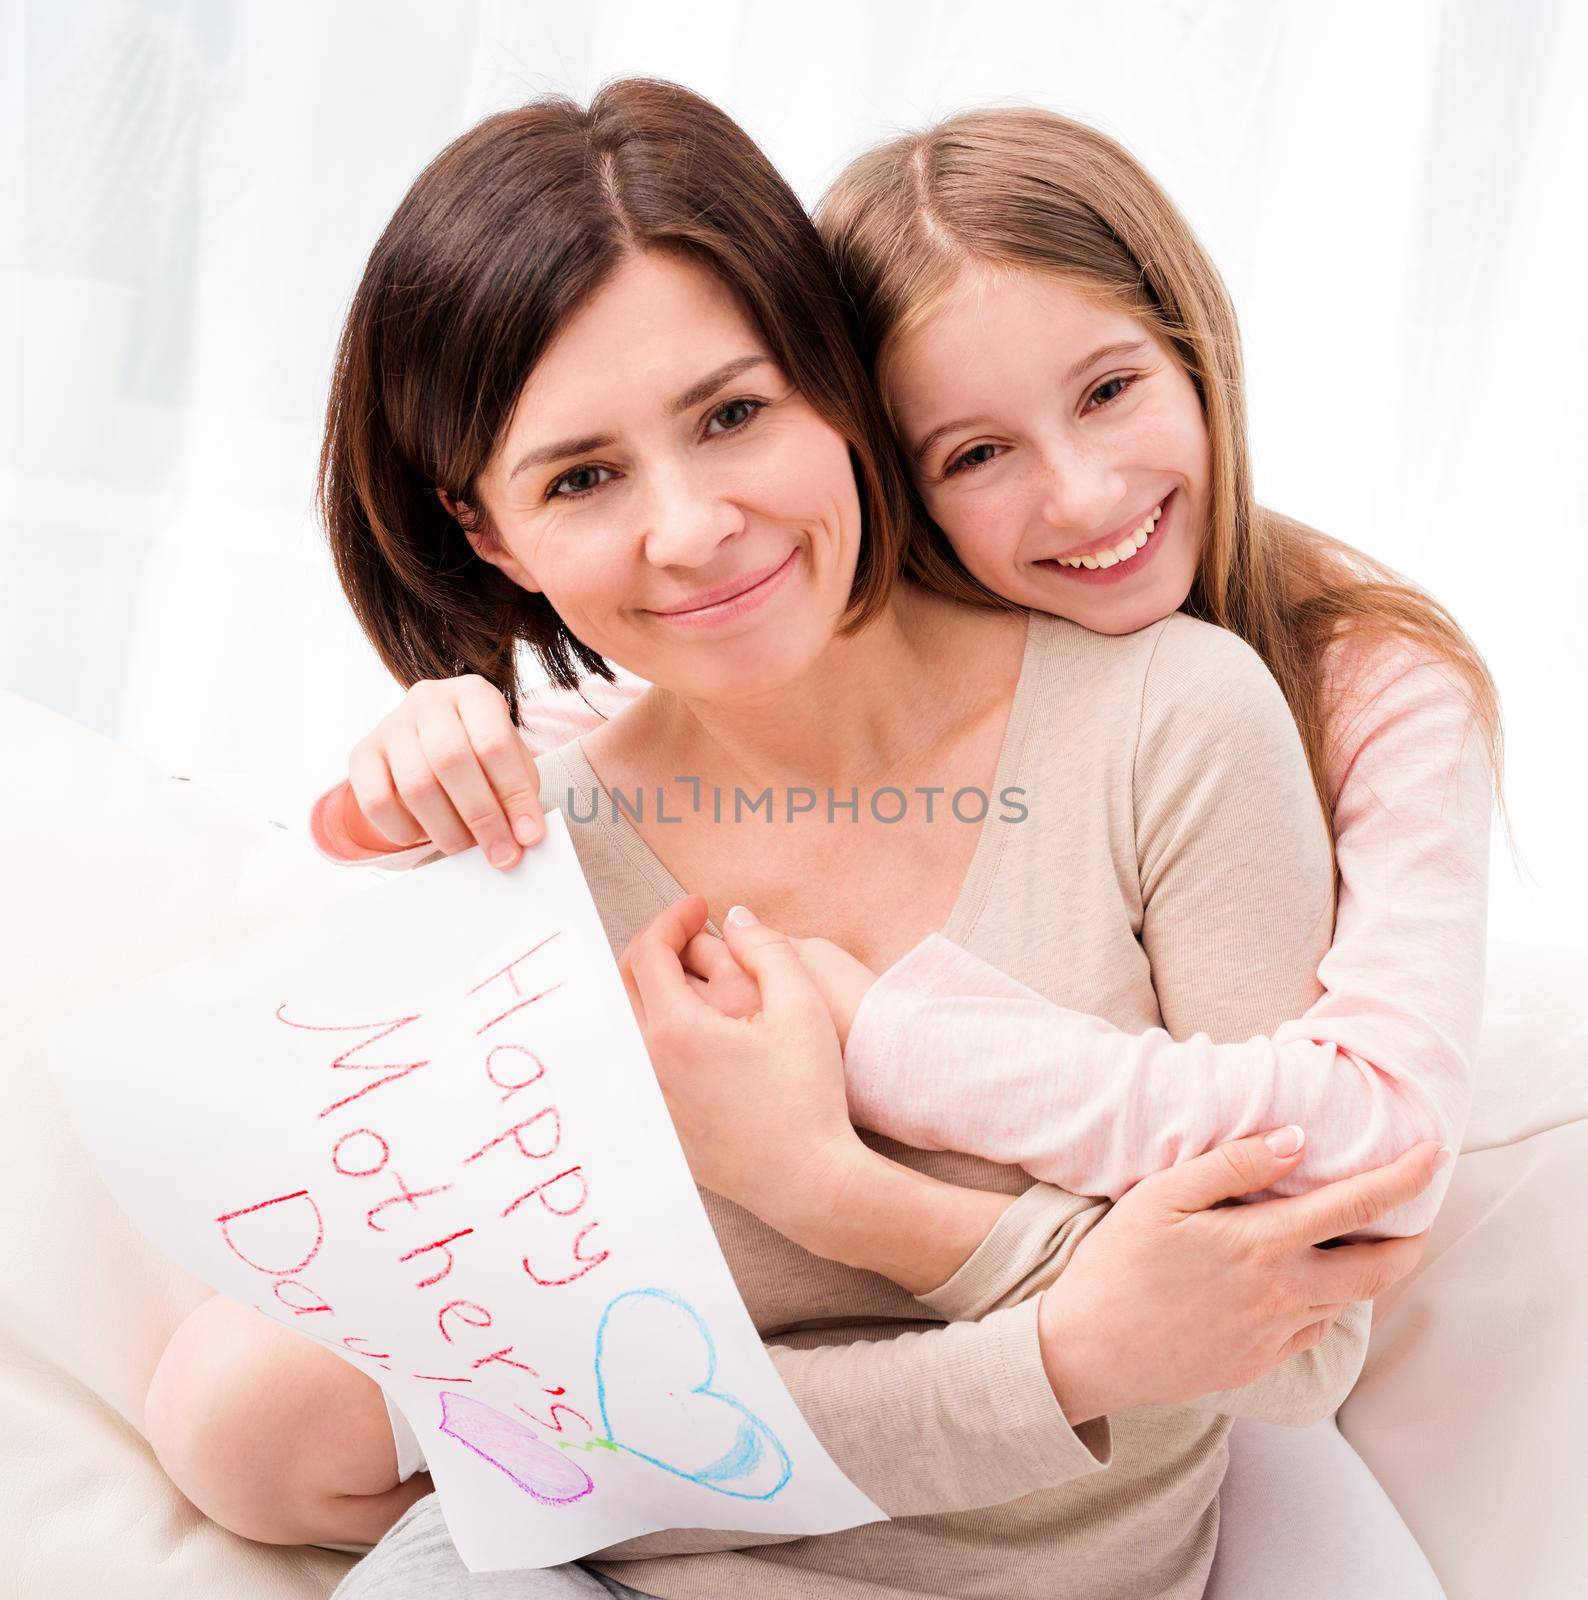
[262,1428]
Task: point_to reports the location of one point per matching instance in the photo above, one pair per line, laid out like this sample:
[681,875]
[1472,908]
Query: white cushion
[1472,1406]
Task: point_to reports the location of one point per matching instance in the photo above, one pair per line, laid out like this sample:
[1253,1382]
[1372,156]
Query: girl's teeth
[1123,551]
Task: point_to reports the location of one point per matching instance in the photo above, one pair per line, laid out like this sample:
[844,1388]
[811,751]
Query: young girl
[1041,317]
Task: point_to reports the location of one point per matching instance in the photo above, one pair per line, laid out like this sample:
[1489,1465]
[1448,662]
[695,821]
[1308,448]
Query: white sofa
[1472,1407]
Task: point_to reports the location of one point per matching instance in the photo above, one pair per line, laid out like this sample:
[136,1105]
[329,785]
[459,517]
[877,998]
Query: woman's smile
[1105,564]
[733,599]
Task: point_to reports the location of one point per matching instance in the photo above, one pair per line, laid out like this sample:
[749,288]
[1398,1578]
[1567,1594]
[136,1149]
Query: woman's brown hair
[1024,189]
[501,239]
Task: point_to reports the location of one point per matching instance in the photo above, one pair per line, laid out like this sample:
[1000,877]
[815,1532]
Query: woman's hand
[758,1100]
[448,767]
[1175,1294]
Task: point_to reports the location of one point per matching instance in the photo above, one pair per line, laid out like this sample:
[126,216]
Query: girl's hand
[842,979]
[718,979]
[1175,1294]
[448,767]
[758,1101]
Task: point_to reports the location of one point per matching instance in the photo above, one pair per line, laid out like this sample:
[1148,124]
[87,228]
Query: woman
[692,479]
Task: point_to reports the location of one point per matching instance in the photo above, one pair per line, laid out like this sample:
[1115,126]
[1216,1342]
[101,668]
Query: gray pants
[417,1557]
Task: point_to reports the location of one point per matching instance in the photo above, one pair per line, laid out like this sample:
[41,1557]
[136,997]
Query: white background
[1394,192]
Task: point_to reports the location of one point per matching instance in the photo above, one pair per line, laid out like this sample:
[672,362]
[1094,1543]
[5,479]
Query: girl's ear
[482,542]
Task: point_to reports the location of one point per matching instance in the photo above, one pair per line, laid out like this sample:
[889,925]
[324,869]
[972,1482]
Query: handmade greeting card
[420,1127]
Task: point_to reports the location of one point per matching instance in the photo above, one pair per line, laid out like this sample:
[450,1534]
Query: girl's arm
[1233,857]
[1382,1058]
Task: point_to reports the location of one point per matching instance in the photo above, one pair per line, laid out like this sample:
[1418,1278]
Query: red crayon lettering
[513,1088]
[551,1422]
[397,1070]
[374,1355]
[272,1225]
[439,1244]
[512,978]
[404,1194]
[506,1355]
[589,1262]
[360,1172]
[541,1191]
[454,1305]
[516,1134]
[297,1309]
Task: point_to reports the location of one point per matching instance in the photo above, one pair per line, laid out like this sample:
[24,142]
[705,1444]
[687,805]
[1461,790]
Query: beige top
[1173,870]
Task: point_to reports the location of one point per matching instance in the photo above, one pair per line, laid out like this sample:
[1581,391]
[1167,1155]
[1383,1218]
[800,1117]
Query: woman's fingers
[508,767]
[626,972]
[1363,1271]
[1307,1338]
[788,992]
[655,954]
[1231,1170]
[1356,1202]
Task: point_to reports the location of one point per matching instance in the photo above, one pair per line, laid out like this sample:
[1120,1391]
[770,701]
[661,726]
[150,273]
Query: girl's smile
[1120,556]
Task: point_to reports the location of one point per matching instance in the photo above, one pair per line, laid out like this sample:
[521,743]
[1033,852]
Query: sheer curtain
[1394,194]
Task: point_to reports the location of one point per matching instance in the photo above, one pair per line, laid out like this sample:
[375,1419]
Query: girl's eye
[578,483]
[977,456]
[733,416]
[1110,391]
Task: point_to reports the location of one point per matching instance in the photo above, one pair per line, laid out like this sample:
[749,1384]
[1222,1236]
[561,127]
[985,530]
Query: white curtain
[1394,192]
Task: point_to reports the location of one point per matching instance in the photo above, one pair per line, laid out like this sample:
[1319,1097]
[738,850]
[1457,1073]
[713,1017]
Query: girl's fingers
[450,754]
[706,956]
[788,992]
[369,777]
[508,767]
[420,791]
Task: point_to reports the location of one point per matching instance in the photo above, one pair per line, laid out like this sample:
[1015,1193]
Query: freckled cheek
[986,529]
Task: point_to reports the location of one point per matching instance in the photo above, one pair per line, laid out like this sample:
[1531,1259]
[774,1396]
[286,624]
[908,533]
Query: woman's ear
[483,542]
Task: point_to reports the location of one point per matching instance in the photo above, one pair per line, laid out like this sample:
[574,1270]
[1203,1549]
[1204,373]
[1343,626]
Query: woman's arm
[938,1420]
[1381,1059]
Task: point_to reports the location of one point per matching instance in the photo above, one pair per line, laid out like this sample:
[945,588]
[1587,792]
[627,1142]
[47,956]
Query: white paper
[420,1126]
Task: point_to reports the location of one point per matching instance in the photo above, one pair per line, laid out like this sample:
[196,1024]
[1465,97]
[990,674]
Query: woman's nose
[687,521]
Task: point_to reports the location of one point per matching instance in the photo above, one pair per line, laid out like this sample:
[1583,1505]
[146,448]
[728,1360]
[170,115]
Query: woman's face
[680,505]
[1060,447]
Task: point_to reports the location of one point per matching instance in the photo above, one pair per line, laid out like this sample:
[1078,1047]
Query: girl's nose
[1080,493]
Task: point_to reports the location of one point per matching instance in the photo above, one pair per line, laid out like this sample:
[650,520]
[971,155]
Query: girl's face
[679,504]
[1060,447]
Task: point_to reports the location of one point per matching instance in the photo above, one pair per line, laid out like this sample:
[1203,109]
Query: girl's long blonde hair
[1024,189]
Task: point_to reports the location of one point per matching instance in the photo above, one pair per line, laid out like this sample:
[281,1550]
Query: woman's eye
[977,456]
[581,481]
[732,416]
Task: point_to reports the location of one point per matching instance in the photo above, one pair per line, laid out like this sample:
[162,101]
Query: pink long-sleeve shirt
[946,1052]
